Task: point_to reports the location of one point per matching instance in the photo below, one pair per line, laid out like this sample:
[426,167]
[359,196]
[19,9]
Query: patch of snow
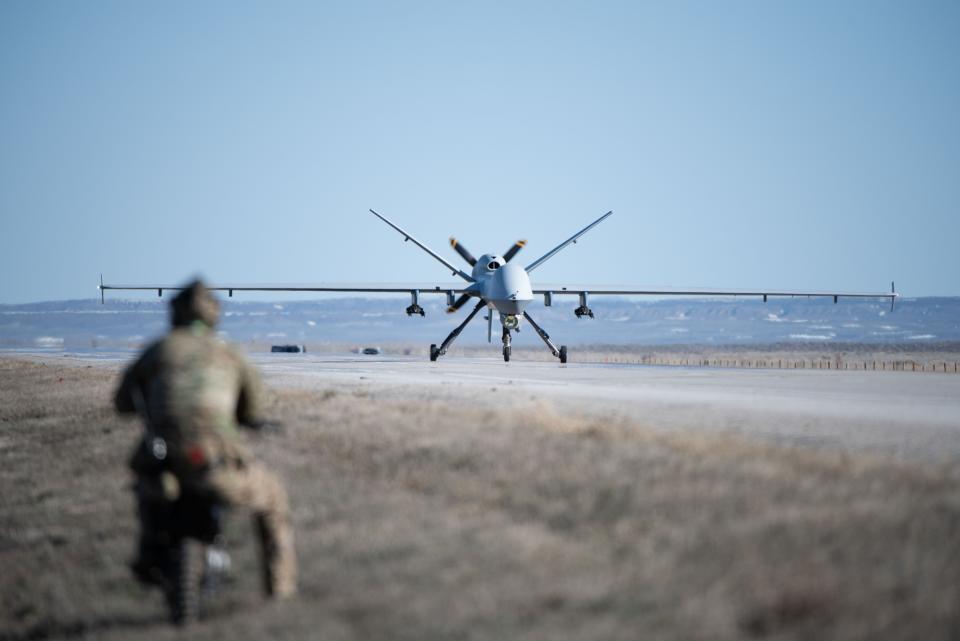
[852,325]
[49,341]
[277,335]
[774,318]
[278,306]
[678,330]
[921,337]
[821,327]
[812,337]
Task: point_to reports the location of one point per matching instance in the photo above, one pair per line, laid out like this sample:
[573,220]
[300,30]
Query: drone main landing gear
[560,353]
[506,345]
[437,352]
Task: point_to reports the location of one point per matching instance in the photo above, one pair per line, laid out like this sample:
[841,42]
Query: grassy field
[449,522]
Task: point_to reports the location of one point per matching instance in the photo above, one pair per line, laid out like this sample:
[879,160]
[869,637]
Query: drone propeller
[457,304]
[517,246]
[467,256]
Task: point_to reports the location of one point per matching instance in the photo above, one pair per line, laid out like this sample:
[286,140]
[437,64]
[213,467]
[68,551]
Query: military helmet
[195,303]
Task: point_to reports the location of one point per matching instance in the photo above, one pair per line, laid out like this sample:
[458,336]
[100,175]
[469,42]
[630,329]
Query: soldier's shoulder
[222,349]
[237,353]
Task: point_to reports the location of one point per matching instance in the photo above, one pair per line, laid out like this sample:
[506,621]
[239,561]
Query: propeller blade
[467,256]
[457,304]
[517,246]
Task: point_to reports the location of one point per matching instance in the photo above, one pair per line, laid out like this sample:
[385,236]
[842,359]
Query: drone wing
[584,290]
[414,289]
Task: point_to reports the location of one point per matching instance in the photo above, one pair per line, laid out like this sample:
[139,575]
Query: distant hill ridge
[86,322]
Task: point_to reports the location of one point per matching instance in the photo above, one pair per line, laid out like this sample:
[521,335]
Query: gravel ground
[449,520]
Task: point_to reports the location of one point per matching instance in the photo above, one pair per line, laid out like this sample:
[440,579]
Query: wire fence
[944,367]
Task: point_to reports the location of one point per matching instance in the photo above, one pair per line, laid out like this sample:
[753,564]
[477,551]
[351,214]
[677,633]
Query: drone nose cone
[511,306]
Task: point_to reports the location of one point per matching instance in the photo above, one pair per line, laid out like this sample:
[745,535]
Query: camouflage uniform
[197,390]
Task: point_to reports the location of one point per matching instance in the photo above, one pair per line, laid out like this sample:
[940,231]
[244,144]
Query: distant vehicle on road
[289,349]
[371,351]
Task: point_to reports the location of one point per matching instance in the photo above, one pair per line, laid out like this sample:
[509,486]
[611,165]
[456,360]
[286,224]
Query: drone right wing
[450,290]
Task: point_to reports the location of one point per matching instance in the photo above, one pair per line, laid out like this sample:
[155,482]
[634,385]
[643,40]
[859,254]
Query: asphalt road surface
[904,414]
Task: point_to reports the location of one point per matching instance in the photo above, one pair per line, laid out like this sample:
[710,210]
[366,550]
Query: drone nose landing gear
[559,352]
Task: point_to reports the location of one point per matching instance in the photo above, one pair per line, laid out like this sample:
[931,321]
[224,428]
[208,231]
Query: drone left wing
[583,291]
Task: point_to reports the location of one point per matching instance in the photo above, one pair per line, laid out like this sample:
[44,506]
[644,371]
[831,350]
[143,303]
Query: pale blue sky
[741,144]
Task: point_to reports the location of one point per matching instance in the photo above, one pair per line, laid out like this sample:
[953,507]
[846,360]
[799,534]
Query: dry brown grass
[445,522]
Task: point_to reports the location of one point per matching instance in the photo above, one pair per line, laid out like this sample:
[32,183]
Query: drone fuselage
[505,286]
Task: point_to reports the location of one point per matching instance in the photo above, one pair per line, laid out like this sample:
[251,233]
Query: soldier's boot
[278,561]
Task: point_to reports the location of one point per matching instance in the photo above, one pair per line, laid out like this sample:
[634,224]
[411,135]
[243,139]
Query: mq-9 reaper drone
[504,287]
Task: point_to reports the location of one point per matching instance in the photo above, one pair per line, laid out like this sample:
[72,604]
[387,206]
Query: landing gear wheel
[183,593]
[506,353]
[434,352]
[563,353]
